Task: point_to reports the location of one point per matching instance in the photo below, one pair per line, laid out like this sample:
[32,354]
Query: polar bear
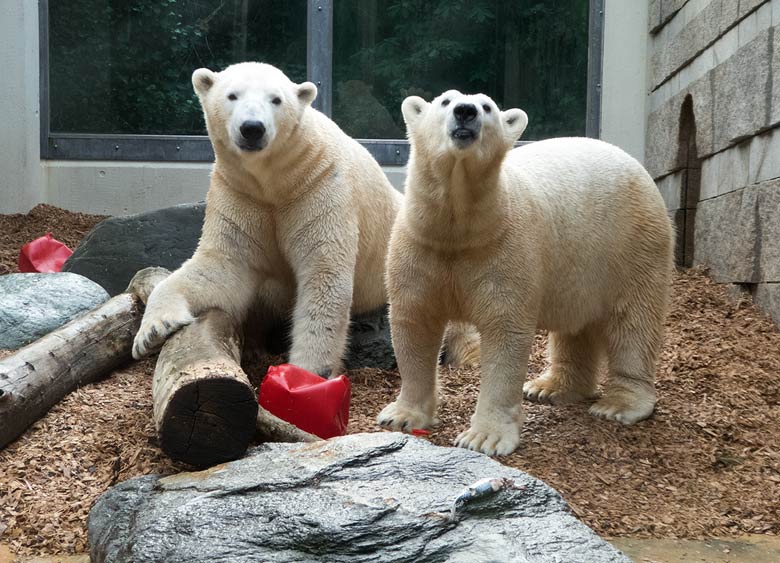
[568,235]
[298,217]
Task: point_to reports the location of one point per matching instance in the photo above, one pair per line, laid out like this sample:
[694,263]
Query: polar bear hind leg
[573,372]
[634,339]
[461,345]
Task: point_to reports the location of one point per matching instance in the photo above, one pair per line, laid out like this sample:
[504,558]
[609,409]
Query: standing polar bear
[298,218]
[568,235]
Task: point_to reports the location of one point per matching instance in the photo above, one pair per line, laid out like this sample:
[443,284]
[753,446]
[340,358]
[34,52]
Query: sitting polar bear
[568,235]
[298,217]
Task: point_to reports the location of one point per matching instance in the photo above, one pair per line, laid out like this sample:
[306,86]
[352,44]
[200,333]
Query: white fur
[296,230]
[569,235]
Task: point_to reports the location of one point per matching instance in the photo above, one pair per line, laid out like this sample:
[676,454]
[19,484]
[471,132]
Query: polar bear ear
[515,122]
[202,80]
[307,92]
[412,109]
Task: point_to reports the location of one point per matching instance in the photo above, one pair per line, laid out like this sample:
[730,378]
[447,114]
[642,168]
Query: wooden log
[38,376]
[205,409]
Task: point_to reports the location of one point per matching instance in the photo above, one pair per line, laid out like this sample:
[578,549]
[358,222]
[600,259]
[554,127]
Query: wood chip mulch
[17,230]
[707,463]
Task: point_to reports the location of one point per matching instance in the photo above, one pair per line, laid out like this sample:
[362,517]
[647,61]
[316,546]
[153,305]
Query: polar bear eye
[232,97]
[445,103]
[486,108]
[276,101]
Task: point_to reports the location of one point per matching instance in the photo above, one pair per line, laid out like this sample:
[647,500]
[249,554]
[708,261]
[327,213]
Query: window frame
[319,69]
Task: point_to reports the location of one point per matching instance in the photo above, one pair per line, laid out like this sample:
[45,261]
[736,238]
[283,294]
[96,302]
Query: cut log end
[209,421]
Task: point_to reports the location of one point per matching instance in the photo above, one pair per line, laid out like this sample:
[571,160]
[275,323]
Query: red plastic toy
[44,254]
[314,404]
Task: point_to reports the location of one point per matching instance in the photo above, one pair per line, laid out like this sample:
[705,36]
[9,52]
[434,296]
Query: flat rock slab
[380,497]
[118,247]
[33,305]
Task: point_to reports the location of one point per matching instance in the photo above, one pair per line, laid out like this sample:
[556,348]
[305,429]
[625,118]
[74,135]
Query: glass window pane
[531,54]
[124,66]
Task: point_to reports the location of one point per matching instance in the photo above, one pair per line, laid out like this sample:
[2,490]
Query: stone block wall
[713,136]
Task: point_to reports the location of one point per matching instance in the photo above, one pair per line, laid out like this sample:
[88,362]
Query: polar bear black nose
[465,112]
[252,131]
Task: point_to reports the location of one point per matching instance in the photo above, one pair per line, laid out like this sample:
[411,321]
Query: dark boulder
[118,247]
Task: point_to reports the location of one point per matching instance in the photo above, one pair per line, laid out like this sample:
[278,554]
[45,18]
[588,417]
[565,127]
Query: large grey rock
[725,236]
[729,13]
[671,53]
[653,15]
[768,232]
[661,12]
[662,153]
[747,6]
[763,157]
[767,297]
[33,305]
[671,189]
[738,235]
[742,92]
[118,247]
[729,170]
[383,497]
[735,100]
[669,9]
[662,144]
[774,116]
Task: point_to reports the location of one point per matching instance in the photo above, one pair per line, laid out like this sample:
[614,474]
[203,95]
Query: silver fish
[479,489]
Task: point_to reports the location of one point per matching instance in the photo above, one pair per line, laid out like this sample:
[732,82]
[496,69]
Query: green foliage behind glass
[124,66]
[530,54]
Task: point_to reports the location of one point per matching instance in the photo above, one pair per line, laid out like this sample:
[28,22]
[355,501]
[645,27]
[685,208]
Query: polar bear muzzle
[252,135]
[465,125]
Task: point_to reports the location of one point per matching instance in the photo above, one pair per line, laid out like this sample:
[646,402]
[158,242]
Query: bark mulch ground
[707,463]
[17,230]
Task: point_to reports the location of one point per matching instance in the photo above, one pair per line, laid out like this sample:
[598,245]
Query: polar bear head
[251,108]
[462,126]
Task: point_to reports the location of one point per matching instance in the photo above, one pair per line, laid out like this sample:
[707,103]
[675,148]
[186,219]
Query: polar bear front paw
[156,326]
[490,438]
[396,416]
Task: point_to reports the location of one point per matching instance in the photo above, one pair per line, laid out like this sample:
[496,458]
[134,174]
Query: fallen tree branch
[271,428]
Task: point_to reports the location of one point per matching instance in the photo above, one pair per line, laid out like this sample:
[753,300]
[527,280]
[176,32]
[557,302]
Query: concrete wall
[713,143]
[123,188]
[20,170]
[624,76]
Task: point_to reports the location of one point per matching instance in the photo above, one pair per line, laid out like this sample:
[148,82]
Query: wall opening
[689,164]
